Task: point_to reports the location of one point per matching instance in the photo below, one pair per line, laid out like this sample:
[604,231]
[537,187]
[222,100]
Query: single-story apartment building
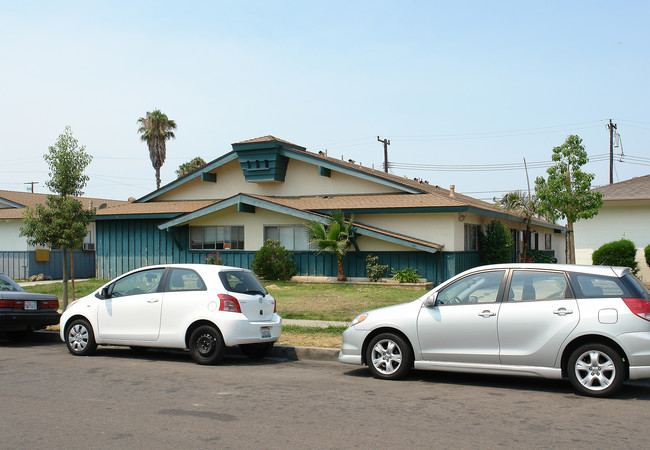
[269,188]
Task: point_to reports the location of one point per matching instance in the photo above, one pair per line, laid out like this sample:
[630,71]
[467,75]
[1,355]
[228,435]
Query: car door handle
[153,300]
[487,313]
[562,312]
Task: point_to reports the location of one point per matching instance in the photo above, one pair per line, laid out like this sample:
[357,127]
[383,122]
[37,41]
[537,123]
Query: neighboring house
[268,188]
[19,260]
[625,213]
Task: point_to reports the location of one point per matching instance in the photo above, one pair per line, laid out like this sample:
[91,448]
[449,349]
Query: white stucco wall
[10,239]
[301,179]
[612,222]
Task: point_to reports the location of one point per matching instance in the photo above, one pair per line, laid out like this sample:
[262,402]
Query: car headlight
[360,318]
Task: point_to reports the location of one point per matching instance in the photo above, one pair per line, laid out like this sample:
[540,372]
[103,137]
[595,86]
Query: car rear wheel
[389,356]
[206,345]
[257,351]
[79,338]
[596,370]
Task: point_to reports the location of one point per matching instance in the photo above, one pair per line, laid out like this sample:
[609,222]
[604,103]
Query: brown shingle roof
[268,138]
[177,207]
[637,188]
[23,199]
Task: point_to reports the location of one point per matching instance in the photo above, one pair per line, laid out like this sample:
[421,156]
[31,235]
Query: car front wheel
[389,356]
[79,338]
[596,370]
[206,345]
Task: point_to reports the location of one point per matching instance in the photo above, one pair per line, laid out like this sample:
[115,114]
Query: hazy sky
[449,83]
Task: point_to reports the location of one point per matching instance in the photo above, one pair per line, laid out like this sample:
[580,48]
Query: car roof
[596,270]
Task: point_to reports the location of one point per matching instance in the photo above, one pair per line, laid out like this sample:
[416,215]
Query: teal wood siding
[124,245]
[22,265]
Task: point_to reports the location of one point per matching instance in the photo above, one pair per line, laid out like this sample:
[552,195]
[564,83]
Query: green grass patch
[81,288]
[336,302]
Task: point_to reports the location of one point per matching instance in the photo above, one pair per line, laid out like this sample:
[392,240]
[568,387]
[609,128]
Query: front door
[462,326]
[133,310]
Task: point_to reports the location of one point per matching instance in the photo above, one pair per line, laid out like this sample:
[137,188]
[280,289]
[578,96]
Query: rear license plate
[30,305]
[265,332]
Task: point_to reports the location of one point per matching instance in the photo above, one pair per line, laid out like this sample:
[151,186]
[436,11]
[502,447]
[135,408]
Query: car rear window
[636,288]
[597,286]
[241,282]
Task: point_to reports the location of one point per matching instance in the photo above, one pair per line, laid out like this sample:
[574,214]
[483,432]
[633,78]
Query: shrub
[406,275]
[496,243]
[373,270]
[647,255]
[273,262]
[214,258]
[617,253]
[539,256]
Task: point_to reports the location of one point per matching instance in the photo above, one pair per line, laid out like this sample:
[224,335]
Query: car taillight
[50,304]
[6,303]
[229,303]
[639,306]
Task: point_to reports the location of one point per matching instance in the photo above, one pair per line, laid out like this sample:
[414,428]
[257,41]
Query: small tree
[496,243]
[335,237]
[617,253]
[62,221]
[189,167]
[647,255]
[566,194]
[525,204]
[273,262]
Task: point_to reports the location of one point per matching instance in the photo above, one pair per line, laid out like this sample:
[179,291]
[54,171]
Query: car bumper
[242,331]
[23,320]
[351,346]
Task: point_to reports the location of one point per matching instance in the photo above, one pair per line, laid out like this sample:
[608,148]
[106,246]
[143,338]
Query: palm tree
[156,128]
[336,238]
[525,204]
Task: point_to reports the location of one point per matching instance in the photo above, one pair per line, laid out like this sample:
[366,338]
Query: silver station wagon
[590,324]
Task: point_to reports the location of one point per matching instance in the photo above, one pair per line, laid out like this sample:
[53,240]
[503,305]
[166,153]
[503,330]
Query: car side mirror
[431,300]
[103,294]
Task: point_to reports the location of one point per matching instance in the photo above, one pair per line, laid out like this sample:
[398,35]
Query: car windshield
[7,284]
[241,282]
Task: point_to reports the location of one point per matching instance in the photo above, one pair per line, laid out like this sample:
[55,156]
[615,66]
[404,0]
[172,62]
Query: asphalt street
[162,399]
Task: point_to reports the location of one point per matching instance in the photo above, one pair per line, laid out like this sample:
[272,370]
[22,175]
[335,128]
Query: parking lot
[162,399]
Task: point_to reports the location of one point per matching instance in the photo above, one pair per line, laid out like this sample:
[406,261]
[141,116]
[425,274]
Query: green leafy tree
[189,167]
[61,222]
[646,251]
[334,237]
[496,243]
[567,194]
[155,129]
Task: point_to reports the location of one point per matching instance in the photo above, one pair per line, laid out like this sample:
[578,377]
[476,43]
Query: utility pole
[32,183]
[611,127]
[386,144]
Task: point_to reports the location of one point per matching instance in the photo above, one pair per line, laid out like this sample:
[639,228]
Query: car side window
[184,280]
[538,285]
[596,286]
[143,282]
[480,287]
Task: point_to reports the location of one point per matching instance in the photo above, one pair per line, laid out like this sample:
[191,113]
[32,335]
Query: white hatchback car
[201,307]
[590,324]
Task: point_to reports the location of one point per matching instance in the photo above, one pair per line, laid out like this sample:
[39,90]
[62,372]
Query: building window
[547,242]
[291,237]
[471,236]
[217,238]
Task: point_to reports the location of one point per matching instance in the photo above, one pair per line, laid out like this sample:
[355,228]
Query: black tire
[389,356]
[596,370]
[257,351]
[206,345]
[79,338]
